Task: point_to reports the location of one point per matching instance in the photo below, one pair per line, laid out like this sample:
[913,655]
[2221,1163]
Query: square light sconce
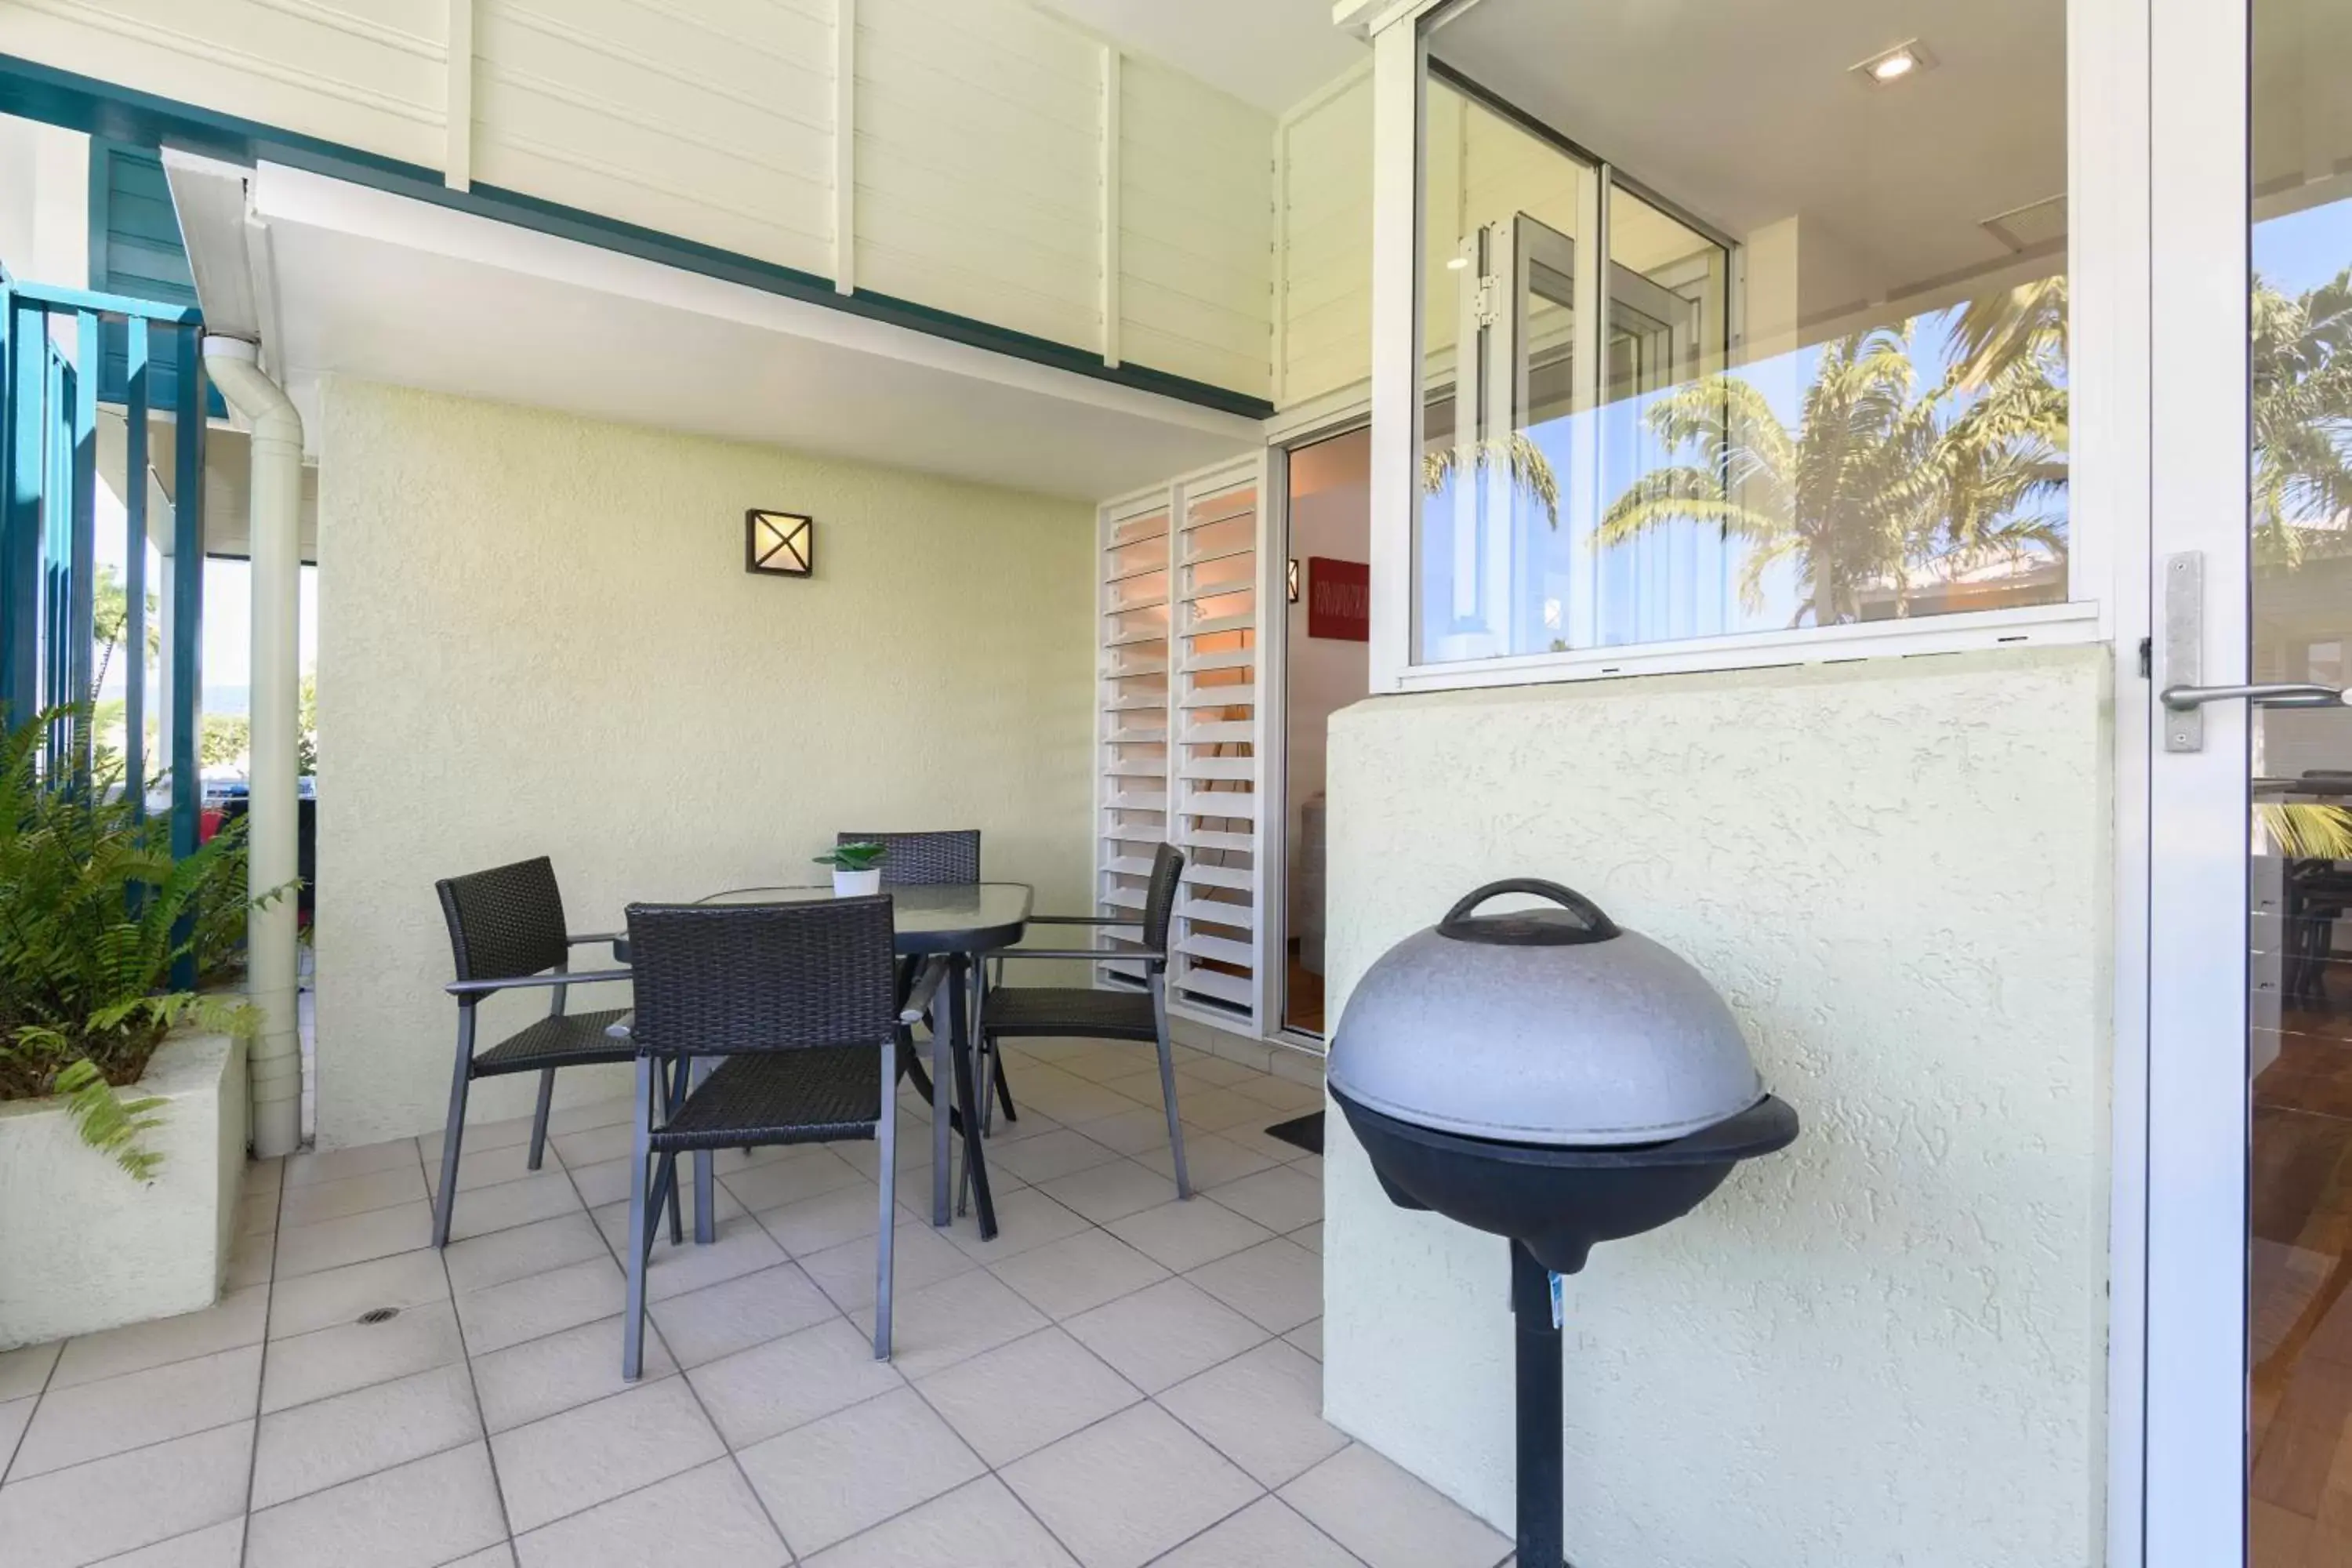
[779,544]
[1291,575]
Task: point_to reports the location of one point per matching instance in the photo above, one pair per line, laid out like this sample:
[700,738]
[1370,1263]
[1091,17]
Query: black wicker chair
[803,1001]
[1017,1012]
[929,860]
[507,929]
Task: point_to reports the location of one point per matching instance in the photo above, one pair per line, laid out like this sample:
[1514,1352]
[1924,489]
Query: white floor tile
[237,1321]
[979,1525]
[921,1256]
[1307,1337]
[1263,1410]
[354,1238]
[706,1517]
[340,1296]
[313,1446]
[220,1545]
[545,1376]
[425,1512]
[1132,1133]
[353,1355]
[719,1320]
[1210,1159]
[480,1165]
[1025,1219]
[1181,1235]
[312,1203]
[833,1478]
[1071,1276]
[302,1170]
[1050,1155]
[845,1213]
[596,1452]
[525,1309]
[1111,1192]
[1125,1490]
[72,1426]
[756,1394]
[1268,1533]
[740,1246]
[505,1255]
[1017,1398]
[1277,1285]
[776,1183]
[1389,1518]
[567,1118]
[481,1135]
[1280,1199]
[27,1370]
[957,1317]
[1165,1333]
[484,1210]
[78,1515]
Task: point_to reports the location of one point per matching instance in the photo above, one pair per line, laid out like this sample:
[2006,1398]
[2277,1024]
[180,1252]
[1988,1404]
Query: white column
[272,959]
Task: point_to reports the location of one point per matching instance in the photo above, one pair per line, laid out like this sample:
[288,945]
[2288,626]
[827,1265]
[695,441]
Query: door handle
[2268,694]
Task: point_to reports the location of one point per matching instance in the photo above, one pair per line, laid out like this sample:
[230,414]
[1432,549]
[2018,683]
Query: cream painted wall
[1885,1345]
[537,636]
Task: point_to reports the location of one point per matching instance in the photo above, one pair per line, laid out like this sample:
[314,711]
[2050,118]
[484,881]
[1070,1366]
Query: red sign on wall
[1338,599]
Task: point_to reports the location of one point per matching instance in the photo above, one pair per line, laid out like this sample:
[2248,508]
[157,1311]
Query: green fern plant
[91,923]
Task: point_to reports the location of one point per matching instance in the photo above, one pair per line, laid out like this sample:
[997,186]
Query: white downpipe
[272,958]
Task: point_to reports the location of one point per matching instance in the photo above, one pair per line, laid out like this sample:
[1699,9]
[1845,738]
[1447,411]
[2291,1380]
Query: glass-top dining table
[962,922]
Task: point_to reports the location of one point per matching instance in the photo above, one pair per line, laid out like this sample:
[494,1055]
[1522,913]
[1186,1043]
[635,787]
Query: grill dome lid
[1552,1027]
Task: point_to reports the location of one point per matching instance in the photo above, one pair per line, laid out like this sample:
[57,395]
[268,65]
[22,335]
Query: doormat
[1306,1132]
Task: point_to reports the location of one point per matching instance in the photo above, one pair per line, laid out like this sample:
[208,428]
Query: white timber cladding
[1196,215]
[714,127]
[369,74]
[979,166]
[1324,249]
[999,163]
[1180,734]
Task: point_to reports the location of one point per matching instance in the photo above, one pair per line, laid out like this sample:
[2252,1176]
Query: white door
[2249,1345]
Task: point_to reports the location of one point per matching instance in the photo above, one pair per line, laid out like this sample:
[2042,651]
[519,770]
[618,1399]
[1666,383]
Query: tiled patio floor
[1116,1380]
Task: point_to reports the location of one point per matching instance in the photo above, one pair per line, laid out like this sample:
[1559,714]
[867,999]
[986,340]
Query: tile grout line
[466,1349]
[261,1372]
[693,1392]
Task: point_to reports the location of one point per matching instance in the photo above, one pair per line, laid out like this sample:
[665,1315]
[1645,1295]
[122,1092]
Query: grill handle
[1459,925]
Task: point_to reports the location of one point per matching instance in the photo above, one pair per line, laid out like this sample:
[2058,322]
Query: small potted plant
[857,867]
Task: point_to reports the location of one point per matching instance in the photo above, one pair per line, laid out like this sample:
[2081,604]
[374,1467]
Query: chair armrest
[595,938]
[1085,921]
[926,985]
[622,1027]
[465,988]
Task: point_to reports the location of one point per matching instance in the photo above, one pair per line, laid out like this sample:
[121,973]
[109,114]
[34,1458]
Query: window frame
[1403,71]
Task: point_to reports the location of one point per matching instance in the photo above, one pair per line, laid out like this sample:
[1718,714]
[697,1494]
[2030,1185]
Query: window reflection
[1609,462]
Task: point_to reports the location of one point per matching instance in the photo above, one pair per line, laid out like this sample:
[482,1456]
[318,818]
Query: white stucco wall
[536,635]
[1885,1345]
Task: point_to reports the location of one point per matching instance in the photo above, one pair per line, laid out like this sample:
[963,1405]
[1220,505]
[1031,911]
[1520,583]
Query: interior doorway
[1328,552]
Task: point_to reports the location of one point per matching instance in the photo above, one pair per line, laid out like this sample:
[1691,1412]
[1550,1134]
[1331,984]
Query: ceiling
[1271,53]
[1747,113]
[362,283]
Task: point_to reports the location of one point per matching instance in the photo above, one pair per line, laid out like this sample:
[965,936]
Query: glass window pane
[1856,410]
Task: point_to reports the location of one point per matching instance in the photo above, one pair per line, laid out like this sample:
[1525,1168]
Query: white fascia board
[294,196]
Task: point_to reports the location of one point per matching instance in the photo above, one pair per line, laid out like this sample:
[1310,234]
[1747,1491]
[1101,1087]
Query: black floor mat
[1306,1131]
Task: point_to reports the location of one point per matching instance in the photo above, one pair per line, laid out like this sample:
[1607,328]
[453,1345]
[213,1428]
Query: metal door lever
[2270,694]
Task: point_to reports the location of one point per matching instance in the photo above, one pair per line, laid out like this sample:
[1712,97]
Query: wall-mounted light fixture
[1292,575]
[779,544]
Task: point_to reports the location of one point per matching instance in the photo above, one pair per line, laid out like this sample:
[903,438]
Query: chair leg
[1003,1088]
[885,1137]
[1168,1088]
[706,1182]
[539,1117]
[453,1131]
[667,1097]
[984,1048]
[632,1321]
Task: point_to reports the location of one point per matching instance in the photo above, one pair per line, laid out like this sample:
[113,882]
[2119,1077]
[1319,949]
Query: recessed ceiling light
[1890,66]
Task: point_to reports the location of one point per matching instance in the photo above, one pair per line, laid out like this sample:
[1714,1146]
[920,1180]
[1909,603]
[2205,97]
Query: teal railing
[49,401]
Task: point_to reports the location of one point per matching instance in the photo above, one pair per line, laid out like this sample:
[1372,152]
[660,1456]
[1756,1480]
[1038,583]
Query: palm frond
[2306,830]
[1528,469]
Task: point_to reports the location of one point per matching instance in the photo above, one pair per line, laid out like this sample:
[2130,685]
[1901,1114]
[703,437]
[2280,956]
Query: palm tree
[2302,370]
[1876,486]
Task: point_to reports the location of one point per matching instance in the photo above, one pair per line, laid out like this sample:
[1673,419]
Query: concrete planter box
[82,1246]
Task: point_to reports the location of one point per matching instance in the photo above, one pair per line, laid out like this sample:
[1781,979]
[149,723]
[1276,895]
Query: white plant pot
[856,884]
[83,1247]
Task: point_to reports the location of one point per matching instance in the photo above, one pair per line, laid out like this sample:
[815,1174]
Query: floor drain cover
[379,1315]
